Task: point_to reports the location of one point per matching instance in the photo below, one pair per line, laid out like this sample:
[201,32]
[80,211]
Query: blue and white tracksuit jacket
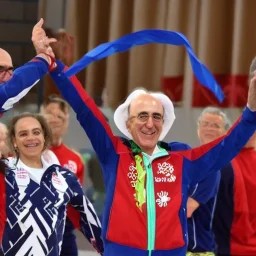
[36,212]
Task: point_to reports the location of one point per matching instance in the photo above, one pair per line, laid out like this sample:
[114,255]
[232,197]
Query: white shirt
[24,172]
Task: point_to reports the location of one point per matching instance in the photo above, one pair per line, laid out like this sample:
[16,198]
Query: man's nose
[150,122]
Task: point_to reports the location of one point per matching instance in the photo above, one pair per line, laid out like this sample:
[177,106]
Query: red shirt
[2,205]
[243,231]
[73,162]
[235,215]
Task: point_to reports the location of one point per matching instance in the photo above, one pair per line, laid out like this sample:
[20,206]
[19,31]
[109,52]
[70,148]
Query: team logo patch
[58,181]
[22,173]
[22,177]
[55,179]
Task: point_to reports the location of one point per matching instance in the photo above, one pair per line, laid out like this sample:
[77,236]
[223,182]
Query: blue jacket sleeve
[204,160]
[24,78]
[89,223]
[88,114]
[204,190]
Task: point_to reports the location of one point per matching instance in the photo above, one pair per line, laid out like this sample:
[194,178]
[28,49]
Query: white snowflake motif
[163,199]
[132,175]
[166,169]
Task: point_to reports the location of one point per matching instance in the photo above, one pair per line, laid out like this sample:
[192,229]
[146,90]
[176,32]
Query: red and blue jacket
[23,79]
[159,226]
[235,215]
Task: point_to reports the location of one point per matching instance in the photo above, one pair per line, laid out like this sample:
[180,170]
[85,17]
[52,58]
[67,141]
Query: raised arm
[23,79]
[88,114]
[89,223]
[26,76]
[211,157]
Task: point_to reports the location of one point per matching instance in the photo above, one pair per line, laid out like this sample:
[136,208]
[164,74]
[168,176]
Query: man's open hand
[40,41]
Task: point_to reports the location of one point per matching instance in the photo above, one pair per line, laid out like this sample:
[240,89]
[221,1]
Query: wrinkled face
[56,119]
[211,127]
[6,66]
[29,138]
[146,121]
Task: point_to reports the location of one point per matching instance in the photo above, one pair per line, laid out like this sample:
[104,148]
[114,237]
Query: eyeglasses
[211,124]
[144,116]
[5,69]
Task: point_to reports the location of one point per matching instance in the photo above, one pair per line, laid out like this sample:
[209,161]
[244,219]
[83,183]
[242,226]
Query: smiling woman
[37,194]
[29,136]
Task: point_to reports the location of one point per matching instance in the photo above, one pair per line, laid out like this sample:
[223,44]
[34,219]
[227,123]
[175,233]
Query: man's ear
[128,125]
[198,133]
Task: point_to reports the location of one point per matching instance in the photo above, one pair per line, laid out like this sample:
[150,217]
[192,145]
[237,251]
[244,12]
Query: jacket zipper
[150,200]
[151,210]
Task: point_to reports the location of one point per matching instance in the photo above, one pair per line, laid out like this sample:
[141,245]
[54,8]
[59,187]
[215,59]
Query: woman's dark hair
[12,125]
[3,166]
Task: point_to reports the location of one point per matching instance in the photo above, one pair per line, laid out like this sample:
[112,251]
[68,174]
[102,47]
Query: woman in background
[56,112]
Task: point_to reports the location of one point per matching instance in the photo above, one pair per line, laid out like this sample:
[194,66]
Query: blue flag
[150,36]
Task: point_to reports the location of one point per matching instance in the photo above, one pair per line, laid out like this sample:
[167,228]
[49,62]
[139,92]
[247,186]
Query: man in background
[212,124]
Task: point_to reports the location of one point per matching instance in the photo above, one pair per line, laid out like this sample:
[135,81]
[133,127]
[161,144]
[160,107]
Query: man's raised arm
[17,84]
[213,156]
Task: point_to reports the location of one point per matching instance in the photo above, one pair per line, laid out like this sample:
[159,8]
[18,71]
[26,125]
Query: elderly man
[234,222]
[212,124]
[146,181]
[15,84]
